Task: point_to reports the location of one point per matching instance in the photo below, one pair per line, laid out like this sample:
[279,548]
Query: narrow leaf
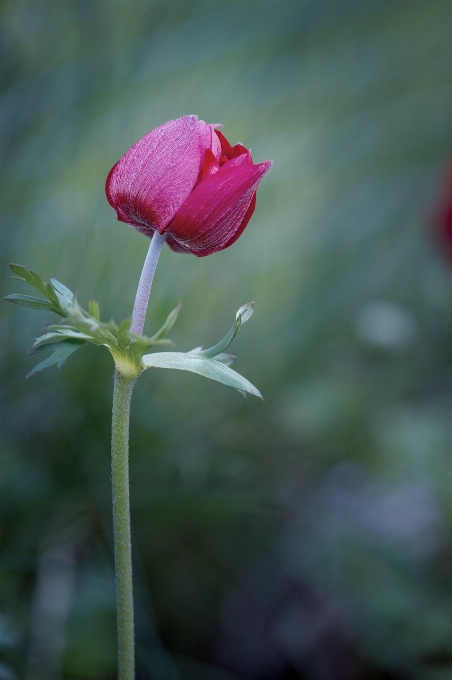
[209,368]
[61,289]
[243,314]
[29,276]
[123,336]
[29,301]
[124,325]
[93,309]
[65,296]
[42,348]
[164,341]
[59,355]
[103,334]
[167,326]
[56,337]
[52,295]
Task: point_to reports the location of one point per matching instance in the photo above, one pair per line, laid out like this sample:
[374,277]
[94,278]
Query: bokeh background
[309,536]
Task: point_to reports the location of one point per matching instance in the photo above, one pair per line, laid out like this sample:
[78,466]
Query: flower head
[185,180]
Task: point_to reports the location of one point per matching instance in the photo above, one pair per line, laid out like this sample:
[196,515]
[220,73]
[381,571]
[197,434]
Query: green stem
[121,524]
[125,378]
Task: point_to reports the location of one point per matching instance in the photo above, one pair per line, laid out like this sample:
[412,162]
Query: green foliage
[29,301]
[57,295]
[212,363]
[243,314]
[80,326]
[127,349]
[209,368]
[59,354]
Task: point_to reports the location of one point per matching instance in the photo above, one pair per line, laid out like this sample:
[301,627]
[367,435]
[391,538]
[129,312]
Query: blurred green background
[309,536]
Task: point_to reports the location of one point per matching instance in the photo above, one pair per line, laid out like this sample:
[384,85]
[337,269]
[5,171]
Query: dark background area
[309,536]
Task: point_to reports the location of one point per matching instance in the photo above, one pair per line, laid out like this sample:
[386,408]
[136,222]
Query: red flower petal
[230,151]
[185,179]
[210,165]
[174,245]
[219,208]
[246,219]
[148,185]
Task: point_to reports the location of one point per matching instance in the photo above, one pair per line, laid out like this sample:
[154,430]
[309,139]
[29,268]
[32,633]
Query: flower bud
[186,181]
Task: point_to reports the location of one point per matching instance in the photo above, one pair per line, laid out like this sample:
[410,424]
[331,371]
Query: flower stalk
[144,286]
[182,183]
[122,395]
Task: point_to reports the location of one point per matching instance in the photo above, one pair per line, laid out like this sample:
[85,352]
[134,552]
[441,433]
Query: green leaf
[57,299]
[167,326]
[209,368]
[40,349]
[103,335]
[29,301]
[99,333]
[56,337]
[30,277]
[243,314]
[65,296]
[59,355]
[168,343]
[123,337]
[52,296]
[93,309]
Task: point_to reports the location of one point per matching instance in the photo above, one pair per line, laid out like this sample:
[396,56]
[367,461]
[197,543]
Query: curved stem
[121,524]
[144,286]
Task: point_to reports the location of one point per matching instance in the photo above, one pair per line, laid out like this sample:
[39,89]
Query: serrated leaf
[167,326]
[38,350]
[44,341]
[29,301]
[29,276]
[93,309]
[209,368]
[56,337]
[243,314]
[65,296]
[59,355]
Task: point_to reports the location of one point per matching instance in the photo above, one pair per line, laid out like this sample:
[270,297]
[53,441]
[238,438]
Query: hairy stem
[121,525]
[122,396]
[144,287]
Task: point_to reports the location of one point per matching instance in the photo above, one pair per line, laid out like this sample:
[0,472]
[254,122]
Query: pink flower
[186,181]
